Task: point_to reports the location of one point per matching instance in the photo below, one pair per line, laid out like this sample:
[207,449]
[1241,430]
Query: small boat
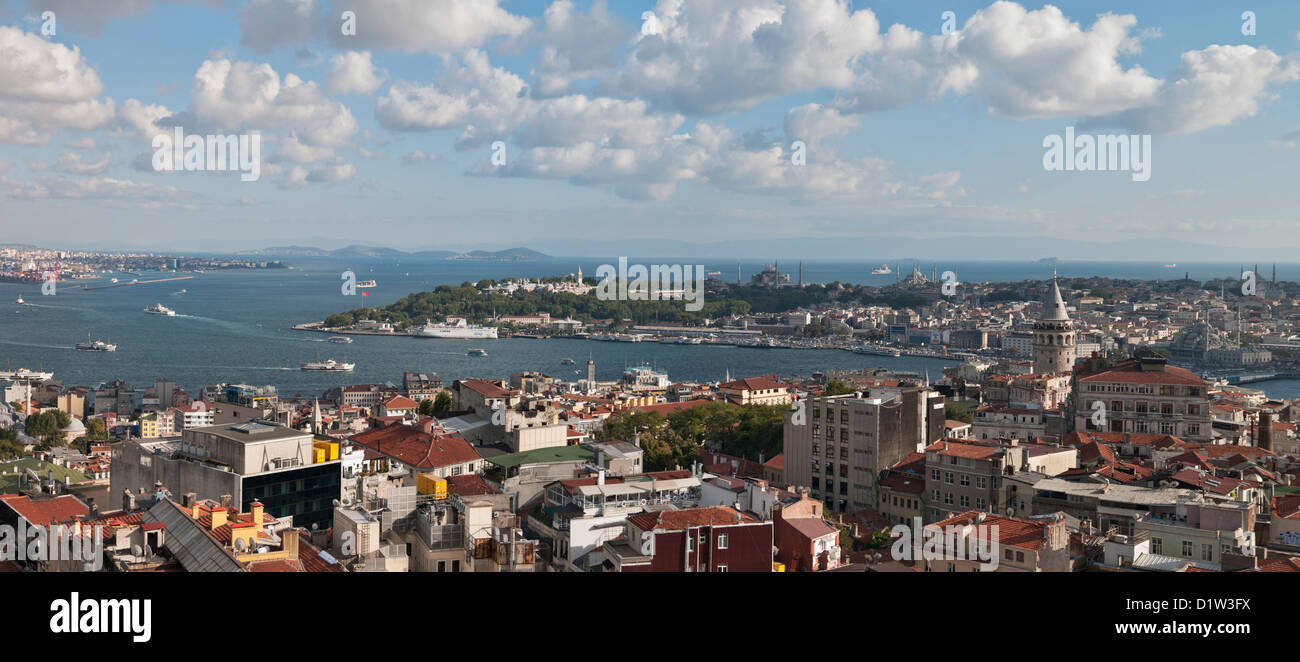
[159,309]
[881,270]
[477,352]
[1168,266]
[96,346]
[343,340]
[19,300]
[112,280]
[366,283]
[566,361]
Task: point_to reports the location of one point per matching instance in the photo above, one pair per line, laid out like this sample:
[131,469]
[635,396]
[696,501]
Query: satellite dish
[135,549]
[241,544]
[314,526]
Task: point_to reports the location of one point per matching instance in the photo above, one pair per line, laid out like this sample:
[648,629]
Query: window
[982,482]
[1207,552]
[1157,546]
[964,480]
[934,474]
[965,501]
[722,542]
[1187,548]
[690,543]
[947,498]
[1020,557]
[947,477]
[1006,554]
[722,567]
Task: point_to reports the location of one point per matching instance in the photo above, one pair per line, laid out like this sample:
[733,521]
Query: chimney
[600,478]
[189,499]
[227,501]
[1265,431]
[258,511]
[128,501]
[289,542]
[218,518]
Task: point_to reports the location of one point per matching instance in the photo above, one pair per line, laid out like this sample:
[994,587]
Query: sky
[827,126]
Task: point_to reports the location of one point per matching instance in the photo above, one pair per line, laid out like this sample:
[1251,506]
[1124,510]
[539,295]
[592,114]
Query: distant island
[507,255]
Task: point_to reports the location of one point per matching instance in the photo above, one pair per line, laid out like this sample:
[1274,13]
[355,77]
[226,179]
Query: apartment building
[994,422]
[1103,505]
[840,444]
[1021,545]
[243,461]
[1142,395]
[713,539]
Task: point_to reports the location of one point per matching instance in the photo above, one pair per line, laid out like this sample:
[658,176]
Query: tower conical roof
[1054,305]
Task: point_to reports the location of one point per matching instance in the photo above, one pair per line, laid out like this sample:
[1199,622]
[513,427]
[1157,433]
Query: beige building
[1142,395]
[837,446]
[1039,545]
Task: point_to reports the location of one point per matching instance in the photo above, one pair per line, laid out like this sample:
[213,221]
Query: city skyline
[680,127]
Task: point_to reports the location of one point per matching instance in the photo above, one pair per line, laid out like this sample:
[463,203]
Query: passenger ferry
[329,365]
[342,340]
[159,309]
[96,346]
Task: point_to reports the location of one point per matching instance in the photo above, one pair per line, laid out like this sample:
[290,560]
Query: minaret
[591,371]
[801,272]
[579,274]
[1054,348]
[315,416]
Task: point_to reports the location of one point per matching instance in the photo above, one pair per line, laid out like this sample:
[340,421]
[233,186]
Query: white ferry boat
[23,374]
[459,330]
[882,270]
[159,309]
[329,365]
[342,340]
[366,283]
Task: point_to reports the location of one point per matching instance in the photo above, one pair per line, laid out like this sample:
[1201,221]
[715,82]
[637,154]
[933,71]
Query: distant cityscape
[1108,423]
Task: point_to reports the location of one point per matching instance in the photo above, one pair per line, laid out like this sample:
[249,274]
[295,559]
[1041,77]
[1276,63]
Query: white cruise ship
[460,329]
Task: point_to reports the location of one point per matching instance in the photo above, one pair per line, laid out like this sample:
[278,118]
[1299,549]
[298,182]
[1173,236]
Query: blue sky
[617,129]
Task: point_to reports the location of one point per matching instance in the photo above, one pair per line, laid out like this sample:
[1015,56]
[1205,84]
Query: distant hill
[357,250]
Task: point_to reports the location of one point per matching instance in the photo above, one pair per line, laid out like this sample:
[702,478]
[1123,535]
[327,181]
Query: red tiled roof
[485,388]
[1216,484]
[44,512]
[753,384]
[1287,506]
[811,527]
[1010,532]
[677,520]
[958,449]
[1130,372]
[469,485]
[401,402]
[412,446]
[776,463]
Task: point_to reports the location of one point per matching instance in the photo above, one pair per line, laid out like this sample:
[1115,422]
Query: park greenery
[470,301]
[751,432]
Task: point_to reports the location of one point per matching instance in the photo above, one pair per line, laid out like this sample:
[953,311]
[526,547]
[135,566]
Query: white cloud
[96,188]
[74,164]
[143,119]
[418,157]
[1041,64]
[352,72]
[575,46]
[266,24]
[290,149]
[1214,87]
[85,142]
[46,86]
[237,95]
[425,26]
[92,16]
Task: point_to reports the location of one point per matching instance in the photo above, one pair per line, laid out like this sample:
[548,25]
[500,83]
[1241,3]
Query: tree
[837,387]
[442,404]
[955,412]
[426,407]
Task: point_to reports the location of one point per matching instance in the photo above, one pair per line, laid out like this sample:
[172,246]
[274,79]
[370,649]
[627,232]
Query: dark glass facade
[307,493]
